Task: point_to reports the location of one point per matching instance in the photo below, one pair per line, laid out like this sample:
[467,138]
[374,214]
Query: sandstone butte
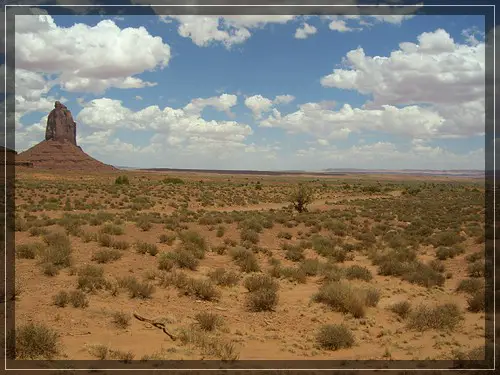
[59,149]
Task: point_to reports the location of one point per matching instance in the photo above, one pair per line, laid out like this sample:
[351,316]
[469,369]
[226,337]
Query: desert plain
[377,267]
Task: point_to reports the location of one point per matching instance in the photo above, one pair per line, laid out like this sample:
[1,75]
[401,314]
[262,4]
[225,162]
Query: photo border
[222,8]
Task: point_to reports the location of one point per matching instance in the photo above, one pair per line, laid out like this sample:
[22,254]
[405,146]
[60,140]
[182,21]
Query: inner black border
[136,365]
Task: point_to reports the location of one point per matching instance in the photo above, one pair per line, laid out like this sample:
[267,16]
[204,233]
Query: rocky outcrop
[59,149]
[60,125]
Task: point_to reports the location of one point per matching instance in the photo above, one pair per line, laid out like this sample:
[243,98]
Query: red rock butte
[59,149]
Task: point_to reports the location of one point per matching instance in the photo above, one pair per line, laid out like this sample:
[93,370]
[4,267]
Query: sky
[262,92]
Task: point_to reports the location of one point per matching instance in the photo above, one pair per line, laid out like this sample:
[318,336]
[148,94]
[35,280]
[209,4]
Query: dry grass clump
[208,321]
[36,341]
[167,238]
[342,297]
[402,309]
[135,288]
[121,319]
[476,301]
[263,294]
[58,252]
[470,285]
[106,255]
[245,259]
[144,247]
[357,272]
[222,277]
[29,251]
[442,317]
[91,278]
[334,337]
[203,289]
[310,267]
[209,344]
[477,268]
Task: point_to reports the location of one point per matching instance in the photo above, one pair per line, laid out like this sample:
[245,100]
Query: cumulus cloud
[182,124]
[305,31]
[259,104]
[438,74]
[229,30]
[88,58]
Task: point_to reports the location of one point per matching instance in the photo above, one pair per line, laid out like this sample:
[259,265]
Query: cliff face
[60,125]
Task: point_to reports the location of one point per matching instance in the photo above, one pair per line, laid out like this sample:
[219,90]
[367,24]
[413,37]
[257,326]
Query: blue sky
[419,106]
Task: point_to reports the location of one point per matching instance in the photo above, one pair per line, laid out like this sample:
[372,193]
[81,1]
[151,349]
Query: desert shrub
[121,319]
[122,180]
[342,297]
[106,255]
[372,296]
[201,288]
[470,285]
[183,258]
[249,235]
[293,253]
[442,317]
[259,281]
[28,251]
[167,238]
[38,231]
[445,252]
[165,262]
[262,300]
[293,274]
[220,231]
[120,244]
[58,250]
[36,340]
[322,245]
[476,269]
[310,266]
[112,229]
[301,198]
[447,238]
[144,247]
[421,274]
[436,265]
[402,309]
[49,269]
[473,257]
[144,224]
[334,337]
[194,242]
[223,278]
[104,239]
[78,299]
[137,289]
[61,299]
[357,272]
[91,278]
[330,272]
[245,259]
[208,321]
[476,301]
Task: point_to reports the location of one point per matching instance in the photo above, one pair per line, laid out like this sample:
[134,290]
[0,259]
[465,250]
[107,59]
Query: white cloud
[88,58]
[312,118]
[228,30]
[446,77]
[341,26]
[183,124]
[284,99]
[258,105]
[305,30]
[223,103]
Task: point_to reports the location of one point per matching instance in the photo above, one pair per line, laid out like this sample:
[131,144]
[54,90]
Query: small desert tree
[301,198]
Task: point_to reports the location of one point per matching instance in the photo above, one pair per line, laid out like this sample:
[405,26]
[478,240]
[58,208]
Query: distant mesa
[59,149]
